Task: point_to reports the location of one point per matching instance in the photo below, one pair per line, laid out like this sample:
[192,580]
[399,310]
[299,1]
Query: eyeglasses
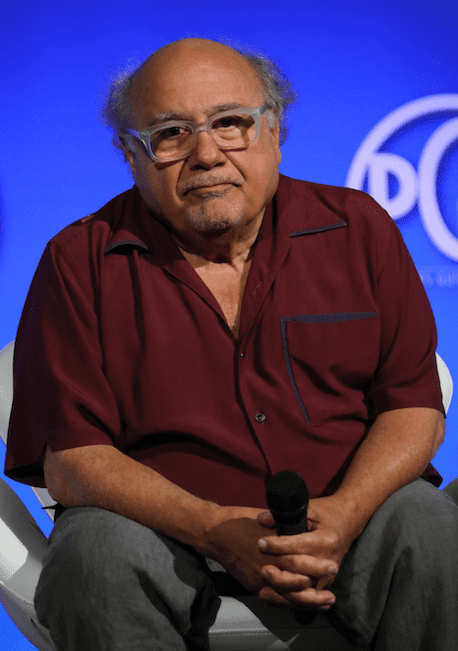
[176,139]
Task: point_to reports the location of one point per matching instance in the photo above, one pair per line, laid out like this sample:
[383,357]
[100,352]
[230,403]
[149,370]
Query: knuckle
[332,538]
[290,563]
[306,597]
[331,543]
[272,545]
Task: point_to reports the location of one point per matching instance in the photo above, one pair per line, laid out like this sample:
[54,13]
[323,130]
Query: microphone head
[287,496]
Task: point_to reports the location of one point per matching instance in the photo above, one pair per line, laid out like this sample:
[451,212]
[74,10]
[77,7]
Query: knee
[422,515]
[88,546]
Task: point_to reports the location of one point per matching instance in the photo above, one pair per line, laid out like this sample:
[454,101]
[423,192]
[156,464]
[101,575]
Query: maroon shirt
[121,343]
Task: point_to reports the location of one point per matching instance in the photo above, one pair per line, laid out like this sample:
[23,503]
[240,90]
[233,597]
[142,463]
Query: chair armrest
[22,545]
[452,490]
[6,387]
[446,381]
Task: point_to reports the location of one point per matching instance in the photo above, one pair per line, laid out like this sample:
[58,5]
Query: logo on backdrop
[374,168]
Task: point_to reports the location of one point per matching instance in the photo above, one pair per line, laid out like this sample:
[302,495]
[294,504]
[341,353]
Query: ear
[130,155]
[276,135]
[274,126]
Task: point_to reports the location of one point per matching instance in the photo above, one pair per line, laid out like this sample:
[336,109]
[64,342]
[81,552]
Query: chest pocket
[331,360]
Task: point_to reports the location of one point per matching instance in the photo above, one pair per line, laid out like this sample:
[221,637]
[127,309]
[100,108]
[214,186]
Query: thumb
[266,519]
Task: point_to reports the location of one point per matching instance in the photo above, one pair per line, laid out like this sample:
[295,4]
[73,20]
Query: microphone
[287,497]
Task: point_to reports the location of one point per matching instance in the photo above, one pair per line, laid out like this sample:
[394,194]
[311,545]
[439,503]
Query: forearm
[397,449]
[102,476]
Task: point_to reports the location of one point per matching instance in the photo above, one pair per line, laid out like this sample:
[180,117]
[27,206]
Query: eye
[234,127]
[170,133]
[229,122]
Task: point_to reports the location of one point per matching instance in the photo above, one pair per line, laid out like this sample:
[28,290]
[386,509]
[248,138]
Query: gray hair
[278,93]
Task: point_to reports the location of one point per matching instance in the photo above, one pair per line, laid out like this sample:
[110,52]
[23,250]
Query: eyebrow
[168,116]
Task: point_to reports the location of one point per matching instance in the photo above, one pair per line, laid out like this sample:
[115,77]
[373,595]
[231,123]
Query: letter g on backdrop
[394,181]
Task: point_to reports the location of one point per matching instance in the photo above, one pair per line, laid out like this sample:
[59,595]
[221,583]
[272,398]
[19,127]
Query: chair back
[6,400]
[446,382]
[6,388]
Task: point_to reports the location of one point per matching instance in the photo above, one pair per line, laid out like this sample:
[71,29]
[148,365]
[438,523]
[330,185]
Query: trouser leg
[397,588]
[110,584]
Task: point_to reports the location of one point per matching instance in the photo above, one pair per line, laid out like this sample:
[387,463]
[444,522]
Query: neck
[224,247]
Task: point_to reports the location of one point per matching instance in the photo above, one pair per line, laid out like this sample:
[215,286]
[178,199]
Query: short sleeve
[60,394]
[407,373]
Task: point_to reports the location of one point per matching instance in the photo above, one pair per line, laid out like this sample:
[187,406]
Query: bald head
[190,48]
[127,87]
[171,70]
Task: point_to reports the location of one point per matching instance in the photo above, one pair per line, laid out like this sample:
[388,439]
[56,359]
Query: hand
[315,555]
[233,535]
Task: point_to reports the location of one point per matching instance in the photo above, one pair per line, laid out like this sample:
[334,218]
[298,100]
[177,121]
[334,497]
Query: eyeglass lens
[228,131]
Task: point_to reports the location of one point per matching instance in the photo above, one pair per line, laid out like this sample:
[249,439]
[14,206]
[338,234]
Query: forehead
[192,80]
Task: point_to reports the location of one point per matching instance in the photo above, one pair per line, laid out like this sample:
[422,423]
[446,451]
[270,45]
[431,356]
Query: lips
[208,186]
[214,187]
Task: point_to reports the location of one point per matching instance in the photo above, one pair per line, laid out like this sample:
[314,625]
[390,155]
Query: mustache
[208,181]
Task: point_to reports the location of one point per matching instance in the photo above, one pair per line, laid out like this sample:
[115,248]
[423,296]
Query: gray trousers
[111,584]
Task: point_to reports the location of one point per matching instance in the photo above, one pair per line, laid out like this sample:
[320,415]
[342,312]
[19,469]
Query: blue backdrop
[377,109]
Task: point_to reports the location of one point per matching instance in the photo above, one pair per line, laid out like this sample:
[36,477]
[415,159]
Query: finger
[325,582]
[281,545]
[274,598]
[282,581]
[295,558]
[266,519]
[314,543]
[307,565]
[309,599]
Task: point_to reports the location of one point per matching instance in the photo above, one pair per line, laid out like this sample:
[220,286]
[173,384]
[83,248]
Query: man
[211,326]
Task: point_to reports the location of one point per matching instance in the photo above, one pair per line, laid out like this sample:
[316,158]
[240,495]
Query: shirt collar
[299,210]
[129,228]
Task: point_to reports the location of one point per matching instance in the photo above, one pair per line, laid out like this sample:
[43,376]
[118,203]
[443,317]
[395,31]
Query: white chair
[242,624]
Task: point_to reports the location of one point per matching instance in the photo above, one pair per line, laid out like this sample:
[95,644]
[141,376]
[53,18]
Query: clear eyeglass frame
[145,135]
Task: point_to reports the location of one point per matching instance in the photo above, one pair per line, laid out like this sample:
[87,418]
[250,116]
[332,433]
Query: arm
[398,448]
[396,451]
[102,476]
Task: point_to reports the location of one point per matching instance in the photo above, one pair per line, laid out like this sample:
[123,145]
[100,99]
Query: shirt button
[260,417]
[242,354]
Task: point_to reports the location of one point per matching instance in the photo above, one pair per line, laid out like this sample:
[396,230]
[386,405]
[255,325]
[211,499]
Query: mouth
[218,188]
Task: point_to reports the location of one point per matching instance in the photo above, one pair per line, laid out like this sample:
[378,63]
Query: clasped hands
[287,571]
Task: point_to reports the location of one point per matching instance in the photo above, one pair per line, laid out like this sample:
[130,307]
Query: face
[211,191]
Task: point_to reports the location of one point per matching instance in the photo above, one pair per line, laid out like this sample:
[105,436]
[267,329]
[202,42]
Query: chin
[206,220]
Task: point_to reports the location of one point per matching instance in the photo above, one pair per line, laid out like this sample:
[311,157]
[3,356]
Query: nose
[206,153]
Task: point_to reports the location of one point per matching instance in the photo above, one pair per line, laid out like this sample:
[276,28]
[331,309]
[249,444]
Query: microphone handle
[284,528]
[291,529]
[302,617]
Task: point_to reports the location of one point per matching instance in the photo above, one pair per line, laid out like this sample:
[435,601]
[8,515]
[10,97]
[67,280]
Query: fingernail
[332,569]
[262,544]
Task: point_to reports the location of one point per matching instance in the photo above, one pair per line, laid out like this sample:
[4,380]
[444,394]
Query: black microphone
[287,497]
